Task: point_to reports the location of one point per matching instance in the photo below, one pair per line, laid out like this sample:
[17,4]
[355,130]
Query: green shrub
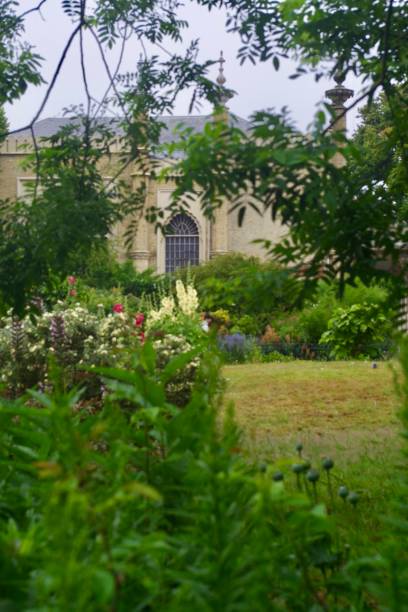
[155,507]
[287,326]
[354,331]
[103,271]
[275,356]
[247,325]
[243,285]
[311,322]
[372,294]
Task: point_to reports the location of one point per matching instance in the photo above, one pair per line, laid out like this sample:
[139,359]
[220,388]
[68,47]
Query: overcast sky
[257,87]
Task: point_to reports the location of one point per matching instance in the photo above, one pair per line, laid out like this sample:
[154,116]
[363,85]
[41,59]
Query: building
[191,238]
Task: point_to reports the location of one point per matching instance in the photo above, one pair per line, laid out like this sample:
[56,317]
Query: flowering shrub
[187,298]
[177,328]
[179,388]
[76,339]
[179,317]
[72,336]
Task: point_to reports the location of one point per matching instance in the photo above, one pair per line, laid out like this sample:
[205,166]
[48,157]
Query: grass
[313,400]
[345,410]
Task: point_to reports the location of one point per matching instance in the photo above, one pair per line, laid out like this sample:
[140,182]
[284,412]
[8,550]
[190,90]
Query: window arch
[182,242]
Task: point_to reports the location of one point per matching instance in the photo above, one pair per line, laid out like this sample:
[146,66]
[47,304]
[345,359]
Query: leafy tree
[381,154]
[19,65]
[70,209]
[343,221]
[3,124]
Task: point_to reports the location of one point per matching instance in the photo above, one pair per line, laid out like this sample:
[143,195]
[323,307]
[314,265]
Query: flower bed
[78,341]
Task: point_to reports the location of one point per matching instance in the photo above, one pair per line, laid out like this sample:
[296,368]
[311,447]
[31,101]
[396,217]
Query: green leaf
[148,357]
[178,363]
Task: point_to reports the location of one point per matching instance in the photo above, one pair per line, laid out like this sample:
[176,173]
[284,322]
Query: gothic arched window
[182,243]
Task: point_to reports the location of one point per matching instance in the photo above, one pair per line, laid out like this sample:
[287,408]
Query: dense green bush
[247,324]
[254,294]
[312,321]
[244,286]
[102,270]
[356,331]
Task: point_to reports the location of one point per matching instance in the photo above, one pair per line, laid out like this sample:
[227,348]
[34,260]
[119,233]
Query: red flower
[118,308]
[142,337]
[139,319]
[71,280]
[72,292]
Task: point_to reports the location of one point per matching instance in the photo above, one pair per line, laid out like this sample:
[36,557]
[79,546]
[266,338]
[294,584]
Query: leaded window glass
[182,243]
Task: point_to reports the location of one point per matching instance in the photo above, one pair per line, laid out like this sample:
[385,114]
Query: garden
[157,464]
[233,436]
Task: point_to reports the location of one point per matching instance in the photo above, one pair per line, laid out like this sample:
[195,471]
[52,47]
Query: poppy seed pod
[343,492]
[313,475]
[278,477]
[328,464]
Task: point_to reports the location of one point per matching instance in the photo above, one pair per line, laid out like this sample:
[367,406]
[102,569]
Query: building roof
[47,127]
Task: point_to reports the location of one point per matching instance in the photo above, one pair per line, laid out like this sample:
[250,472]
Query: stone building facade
[193,238]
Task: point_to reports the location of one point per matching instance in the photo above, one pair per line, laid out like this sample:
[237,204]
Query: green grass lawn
[345,410]
[317,402]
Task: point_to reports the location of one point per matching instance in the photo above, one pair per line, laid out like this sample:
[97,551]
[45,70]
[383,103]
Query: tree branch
[115,73]
[108,72]
[51,85]
[33,10]
[82,58]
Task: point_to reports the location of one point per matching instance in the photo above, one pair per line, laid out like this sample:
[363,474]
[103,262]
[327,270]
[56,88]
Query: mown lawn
[314,401]
[345,410]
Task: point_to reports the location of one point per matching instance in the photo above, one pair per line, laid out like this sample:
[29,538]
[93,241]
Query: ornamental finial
[221,80]
[339,94]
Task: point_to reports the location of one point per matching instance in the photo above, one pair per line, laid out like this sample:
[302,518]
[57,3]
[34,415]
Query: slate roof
[47,127]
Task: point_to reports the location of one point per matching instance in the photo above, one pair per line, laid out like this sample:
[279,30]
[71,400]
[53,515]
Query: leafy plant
[243,286]
[157,507]
[102,270]
[353,332]
[246,324]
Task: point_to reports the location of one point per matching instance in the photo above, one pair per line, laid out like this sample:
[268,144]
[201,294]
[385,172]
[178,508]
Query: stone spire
[338,97]
[221,80]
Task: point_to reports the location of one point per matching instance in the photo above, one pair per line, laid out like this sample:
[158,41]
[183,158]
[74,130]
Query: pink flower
[118,308]
[72,292]
[139,319]
[71,280]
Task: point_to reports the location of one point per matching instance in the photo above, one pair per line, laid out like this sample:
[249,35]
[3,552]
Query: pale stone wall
[12,176]
[254,227]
